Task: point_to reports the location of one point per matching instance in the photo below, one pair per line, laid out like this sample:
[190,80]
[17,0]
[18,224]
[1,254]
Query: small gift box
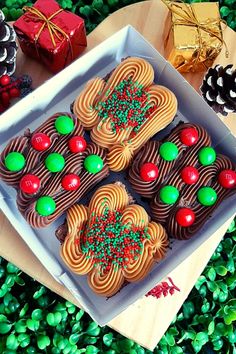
[194,37]
[48,33]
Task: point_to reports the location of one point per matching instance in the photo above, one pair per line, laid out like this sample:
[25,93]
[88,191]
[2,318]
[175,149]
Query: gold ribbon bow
[53,29]
[188,18]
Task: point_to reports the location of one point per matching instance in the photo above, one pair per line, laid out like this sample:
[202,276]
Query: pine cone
[219,89]
[8,47]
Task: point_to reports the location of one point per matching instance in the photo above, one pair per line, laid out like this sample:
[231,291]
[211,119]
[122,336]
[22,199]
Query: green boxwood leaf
[73,339]
[43,341]
[12,342]
[33,325]
[37,314]
[91,349]
[221,270]
[107,339]
[211,327]
[20,326]
[24,340]
[5,327]
[93,329]
[211,274]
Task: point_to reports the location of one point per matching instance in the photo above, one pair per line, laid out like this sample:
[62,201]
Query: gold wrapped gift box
[194,36]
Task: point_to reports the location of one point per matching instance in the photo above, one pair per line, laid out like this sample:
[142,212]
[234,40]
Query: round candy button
[14,161]
[169,194]
[149,172]
[30,184]
[207,196]
[207,156]
[227,178]
[189,136]
[189,175]
[185,217]
[40,141]
[168,151]
[55,162]
[64,125]
[93,163]
[70,182]
[77,144]
[45,206]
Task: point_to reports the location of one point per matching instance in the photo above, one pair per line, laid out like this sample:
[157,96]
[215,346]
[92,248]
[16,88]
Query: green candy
[207,196]
[45,206]
[14,161]
[168,151]
[207,156]
[169,194]
[64,125]
[55,162]
[93,164]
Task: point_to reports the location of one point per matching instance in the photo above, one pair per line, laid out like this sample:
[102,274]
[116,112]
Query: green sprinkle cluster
[127,106]
[109,241]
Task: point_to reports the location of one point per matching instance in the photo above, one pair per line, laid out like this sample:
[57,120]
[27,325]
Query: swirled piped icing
[125,111]
[51,182]
[111,240]
[188,174]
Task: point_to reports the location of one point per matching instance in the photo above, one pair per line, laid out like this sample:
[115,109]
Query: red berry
[149,172]
[70,182]
[5,97]
[29,184]
[189,175]
[77,144]
[40,141]
[227,178]
[5,80]
[185,217]
[189,136]
[14,92]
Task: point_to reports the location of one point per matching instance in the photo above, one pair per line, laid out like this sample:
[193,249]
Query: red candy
[189,175]
[14,92]
[40,141]
[189,136]
[185,217]
[5,80]
[149,172]
[77,144]
[70,182]
[29,184]
[227,178]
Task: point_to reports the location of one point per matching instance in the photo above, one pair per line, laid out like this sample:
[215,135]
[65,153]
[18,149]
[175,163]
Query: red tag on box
[50,34]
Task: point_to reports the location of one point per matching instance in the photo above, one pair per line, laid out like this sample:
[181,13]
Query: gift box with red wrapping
[51,35]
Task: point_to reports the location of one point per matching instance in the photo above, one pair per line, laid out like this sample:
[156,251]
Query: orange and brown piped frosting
[125,111]
[111,240]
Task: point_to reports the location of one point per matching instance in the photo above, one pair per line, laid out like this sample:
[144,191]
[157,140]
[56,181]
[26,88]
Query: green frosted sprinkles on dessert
[127,106]
[110,242]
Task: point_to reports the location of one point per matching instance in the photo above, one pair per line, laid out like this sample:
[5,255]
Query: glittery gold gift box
[194,36]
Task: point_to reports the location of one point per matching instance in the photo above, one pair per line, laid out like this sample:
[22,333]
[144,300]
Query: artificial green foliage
[95,11]
[35,320]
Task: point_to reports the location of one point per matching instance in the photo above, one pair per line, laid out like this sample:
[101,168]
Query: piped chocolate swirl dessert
[126,110]
[111,240]
[185,178]
[51,168]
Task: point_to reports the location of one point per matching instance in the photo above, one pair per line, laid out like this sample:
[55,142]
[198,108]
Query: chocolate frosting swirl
[51,182]
[107,283]
[170,174]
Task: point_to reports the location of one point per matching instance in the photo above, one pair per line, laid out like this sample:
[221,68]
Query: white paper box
[56,95]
